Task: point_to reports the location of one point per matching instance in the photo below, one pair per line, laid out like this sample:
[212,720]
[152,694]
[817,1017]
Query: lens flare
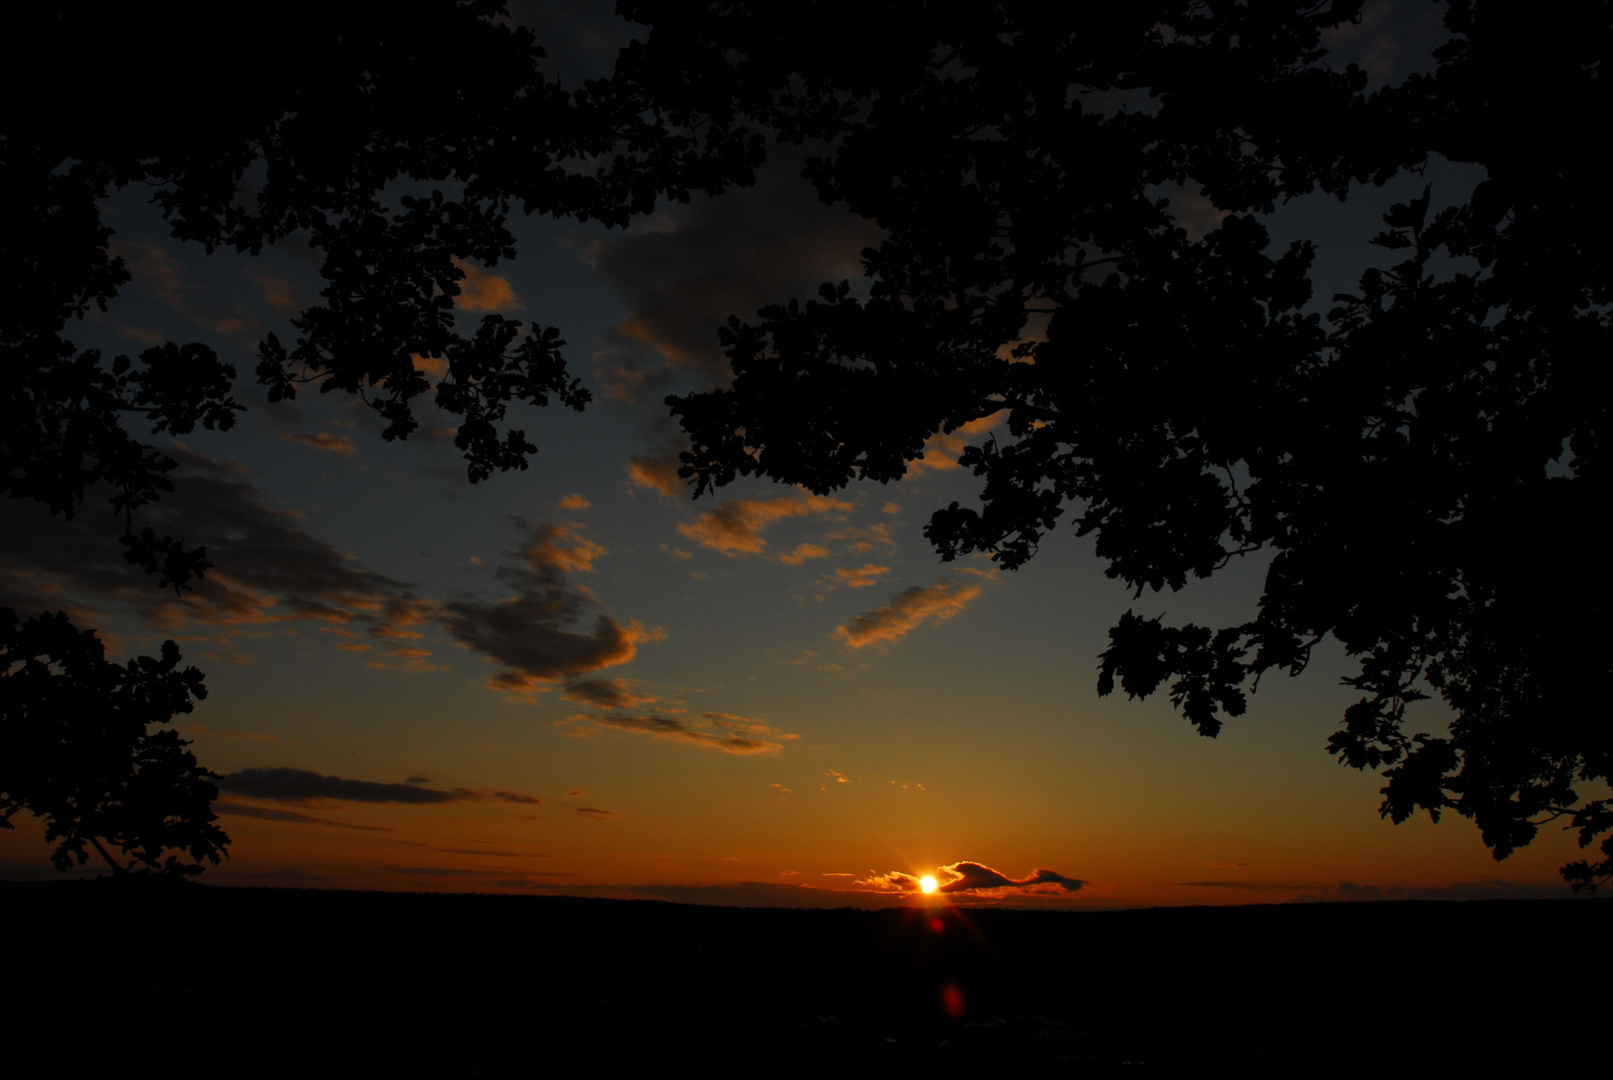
[927,884]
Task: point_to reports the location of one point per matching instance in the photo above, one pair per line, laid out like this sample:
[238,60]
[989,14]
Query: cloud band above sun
[971,877]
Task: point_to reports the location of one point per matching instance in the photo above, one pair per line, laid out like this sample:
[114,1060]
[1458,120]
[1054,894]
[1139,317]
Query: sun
[927,884]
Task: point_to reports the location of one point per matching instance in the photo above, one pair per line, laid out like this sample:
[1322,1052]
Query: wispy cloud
[322,441]
[605,694]
[723,732]
[735,527]
[910,609]
[303,786]
[861,577]
[272,813]
[802,553]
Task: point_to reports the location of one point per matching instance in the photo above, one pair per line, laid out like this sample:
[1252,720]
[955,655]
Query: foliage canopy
[78,750]
[395,179]
[1422,460]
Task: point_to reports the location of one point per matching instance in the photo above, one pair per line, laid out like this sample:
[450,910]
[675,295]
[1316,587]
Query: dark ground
[201,980]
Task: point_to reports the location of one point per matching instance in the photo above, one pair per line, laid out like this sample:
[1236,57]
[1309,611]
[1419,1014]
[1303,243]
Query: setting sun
[927,884]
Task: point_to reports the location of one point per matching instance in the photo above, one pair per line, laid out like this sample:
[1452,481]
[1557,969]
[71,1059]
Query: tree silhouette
[78,750]
[395,139]
[1422,462]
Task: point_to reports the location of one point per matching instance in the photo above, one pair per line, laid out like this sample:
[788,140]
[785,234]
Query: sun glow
[927,884]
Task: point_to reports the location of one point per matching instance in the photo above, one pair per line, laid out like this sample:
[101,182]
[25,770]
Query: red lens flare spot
[952,1000]
[936,924]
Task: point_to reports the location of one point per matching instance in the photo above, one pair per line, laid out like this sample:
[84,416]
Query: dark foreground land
[302,983]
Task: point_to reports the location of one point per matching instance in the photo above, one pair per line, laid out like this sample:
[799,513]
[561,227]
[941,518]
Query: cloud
[483,290]
[266,568]
[658,473]
[304,786]
[270,813]
[534,633]
[973,877]
[977,877]
[862,540]
[861,577]
[698,264]
[330,444]
[908,610]
[735,527]
[605,694]
[712,731]
[837,777]
[594,813]
[574,502]
[804,552]
[942,450]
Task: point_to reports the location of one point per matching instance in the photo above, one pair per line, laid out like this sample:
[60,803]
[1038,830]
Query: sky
[576,679]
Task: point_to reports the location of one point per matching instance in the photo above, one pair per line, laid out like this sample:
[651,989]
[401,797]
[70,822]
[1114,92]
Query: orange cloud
[435,366]
[803,553]
[575,502]
[862,540]
[330,444]
[482,290]
[735,527]
[656,473]
[908,610]
[861,577]
[550,548]
[942,450]
[732,735]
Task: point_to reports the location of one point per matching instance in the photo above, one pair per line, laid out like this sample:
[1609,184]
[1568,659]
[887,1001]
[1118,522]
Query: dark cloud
[269,569]
[698,264]
[305,786]
[973,877]
[711,731]
[594,813]
[976,877]
[266,567]
[537,633]
[605,694]
[270,813]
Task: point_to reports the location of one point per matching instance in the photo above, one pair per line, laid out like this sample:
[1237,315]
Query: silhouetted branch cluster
[394,139]
[1423,466]
[78,749]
